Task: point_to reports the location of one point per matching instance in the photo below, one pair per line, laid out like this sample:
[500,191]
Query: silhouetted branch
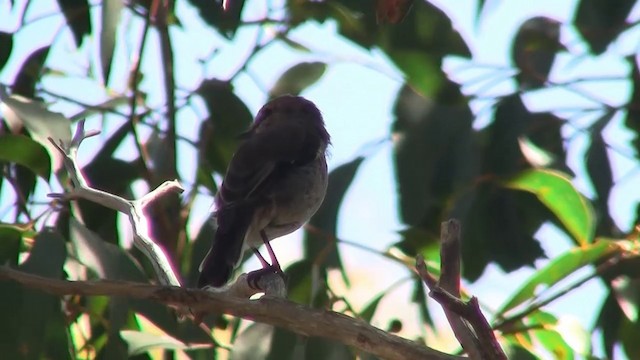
[271,310]
[466,319]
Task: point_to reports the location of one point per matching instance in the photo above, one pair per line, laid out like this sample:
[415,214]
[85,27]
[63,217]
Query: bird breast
[298,197]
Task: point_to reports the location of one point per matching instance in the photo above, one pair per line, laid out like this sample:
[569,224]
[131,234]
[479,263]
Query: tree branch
[134,209]
[275,311]
[469,326]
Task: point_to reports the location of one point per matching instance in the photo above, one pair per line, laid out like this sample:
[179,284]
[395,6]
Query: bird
[276,180]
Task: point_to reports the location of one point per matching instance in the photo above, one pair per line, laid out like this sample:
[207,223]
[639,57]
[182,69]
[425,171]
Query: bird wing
[260,159]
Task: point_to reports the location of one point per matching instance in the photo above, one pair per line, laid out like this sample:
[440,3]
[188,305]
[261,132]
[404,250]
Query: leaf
[253,343]
[109,261]
[422,70]
[76,12]
[141,342]
[219,133]
[627,293]
[561,267]
[610,320]
[225,21]
[419,297]
[297,78]
[26,152]
[6,45]
[316,348]
[367,313]
[29,315]
[113,176]
[534,50]
[433,152]
[599,23]
[111,11]
[510,225]
[29,73]
[601,175]
[392,11]
[106,260]
[321,239]
[632,118]
[10,243]
[41,123]
[555,190]
[284,345]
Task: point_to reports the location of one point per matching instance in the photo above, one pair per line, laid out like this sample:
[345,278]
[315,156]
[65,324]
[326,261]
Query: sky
[356,97]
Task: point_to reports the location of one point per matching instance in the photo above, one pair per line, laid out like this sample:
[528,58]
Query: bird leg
[264,262]
[272,255]
[254,276]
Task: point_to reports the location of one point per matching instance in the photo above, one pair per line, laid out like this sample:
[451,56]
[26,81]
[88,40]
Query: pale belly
[300,197]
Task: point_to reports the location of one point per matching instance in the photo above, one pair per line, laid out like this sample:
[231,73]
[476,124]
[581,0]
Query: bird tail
[226,251]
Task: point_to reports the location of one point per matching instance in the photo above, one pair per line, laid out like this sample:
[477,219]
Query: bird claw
[265,279]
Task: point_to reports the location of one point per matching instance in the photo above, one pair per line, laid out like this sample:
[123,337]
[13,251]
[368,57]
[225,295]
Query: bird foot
[271,280]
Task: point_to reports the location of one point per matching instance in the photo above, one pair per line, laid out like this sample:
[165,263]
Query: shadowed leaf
[320,240]
[32,320]
[76,12]
[297,78]
[225,21]
[26,152]
[601,21]
[534,50]
[6,45]
[111,11]
[29,74]
[392,11]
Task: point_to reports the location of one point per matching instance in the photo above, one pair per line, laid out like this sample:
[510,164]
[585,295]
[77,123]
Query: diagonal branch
[466,319]
[134,209]
[275,311]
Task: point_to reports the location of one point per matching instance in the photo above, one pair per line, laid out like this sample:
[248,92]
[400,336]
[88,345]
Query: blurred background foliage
[504,179]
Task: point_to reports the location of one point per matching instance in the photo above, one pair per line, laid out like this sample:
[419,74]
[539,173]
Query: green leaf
[6,45]
[422,70]
[111,11]
[26,152]
[31,325]
[41,123]
[10,242]
[561,267]
[76,12]
[297,78]
[555,190]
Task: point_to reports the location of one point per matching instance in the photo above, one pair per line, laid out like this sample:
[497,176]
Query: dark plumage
[275,182]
